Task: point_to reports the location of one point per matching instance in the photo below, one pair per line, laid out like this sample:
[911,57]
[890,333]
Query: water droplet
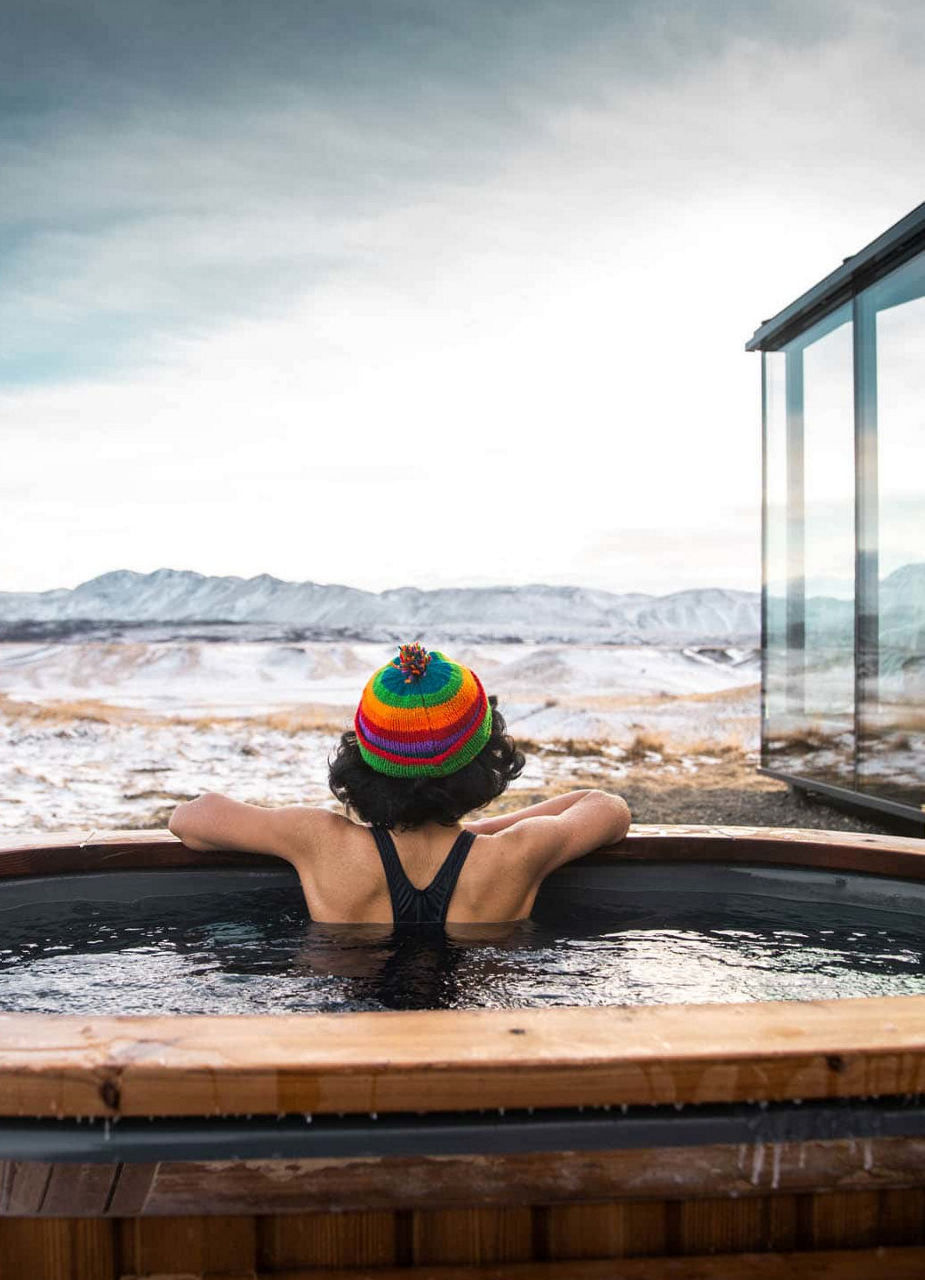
[775,1167]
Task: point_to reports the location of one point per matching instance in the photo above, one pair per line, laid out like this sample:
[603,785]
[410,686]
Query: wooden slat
[588,1230]
[458,1059]
[30,1188]
[23,1187]
[78,1190]
[781,1213]
[721,1225]
[293,1185]
[902,1216]
[472,1235]
[878,1264]
[131,1188]
[845,1220]
[645,1227]
[326,1240]
[93,1249]
[57,1249]
[195,1245]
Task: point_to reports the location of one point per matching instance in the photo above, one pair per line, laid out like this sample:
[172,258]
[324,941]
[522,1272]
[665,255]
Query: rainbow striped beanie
[422,716]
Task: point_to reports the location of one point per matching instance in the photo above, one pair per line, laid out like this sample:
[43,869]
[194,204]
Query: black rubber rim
[456,1134]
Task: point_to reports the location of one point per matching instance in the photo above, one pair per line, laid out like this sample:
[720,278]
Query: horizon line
[492,586]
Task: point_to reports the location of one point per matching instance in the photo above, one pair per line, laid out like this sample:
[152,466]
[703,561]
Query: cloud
[169,168]
[472,280]
[722,550]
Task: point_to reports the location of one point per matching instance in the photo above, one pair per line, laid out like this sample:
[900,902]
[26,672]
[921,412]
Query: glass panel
[775,547]
[892,325]
[809,729]
[828,504]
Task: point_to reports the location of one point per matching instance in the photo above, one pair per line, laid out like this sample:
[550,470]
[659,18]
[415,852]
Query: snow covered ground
[112,733]
[189,677]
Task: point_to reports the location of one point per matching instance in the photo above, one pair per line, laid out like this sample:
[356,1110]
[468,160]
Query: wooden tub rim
[903,856]
[444,1060]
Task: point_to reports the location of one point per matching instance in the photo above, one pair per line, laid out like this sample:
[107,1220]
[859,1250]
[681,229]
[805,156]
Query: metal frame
[857,799]
[866,528]
[890,250]
[763,697]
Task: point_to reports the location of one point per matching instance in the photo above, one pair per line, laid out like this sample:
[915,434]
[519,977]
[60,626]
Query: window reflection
[891,319]
[809,706]
[828,548]
[844,607]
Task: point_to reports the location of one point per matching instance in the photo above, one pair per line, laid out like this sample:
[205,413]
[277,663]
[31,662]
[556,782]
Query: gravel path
[738,807]
[726,792]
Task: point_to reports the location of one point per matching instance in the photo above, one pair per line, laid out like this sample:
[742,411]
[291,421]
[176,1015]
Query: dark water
[258,952]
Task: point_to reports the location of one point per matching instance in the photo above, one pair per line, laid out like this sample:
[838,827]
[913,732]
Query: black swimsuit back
[411,905]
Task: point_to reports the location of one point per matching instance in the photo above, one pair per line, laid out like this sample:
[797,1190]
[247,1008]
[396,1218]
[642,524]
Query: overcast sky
[422,292]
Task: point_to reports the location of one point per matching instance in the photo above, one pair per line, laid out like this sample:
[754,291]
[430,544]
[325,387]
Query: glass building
[843,530]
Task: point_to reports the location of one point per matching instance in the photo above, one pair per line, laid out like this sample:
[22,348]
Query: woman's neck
[426,832]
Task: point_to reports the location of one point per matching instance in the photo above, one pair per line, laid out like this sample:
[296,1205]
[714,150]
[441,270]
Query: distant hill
[536,612]
[901,608]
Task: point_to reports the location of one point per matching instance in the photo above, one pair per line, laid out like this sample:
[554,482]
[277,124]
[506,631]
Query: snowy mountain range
[537,613]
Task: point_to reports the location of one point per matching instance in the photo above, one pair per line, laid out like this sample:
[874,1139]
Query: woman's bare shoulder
[310,817]
[216,821]
[315,830]
[593,819]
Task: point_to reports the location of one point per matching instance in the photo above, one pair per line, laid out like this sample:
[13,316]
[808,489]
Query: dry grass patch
[643,745]
[67,711]
[307,719]
[292,721]
[732,744]
[740,693]
[563,746]
[806,740]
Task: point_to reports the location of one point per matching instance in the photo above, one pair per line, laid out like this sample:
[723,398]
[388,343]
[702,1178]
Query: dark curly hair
[400,803]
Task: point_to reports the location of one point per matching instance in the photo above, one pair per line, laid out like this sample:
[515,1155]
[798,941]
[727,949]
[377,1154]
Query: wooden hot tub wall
[498,1143]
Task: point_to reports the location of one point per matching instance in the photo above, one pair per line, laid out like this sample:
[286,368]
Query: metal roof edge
[869,263]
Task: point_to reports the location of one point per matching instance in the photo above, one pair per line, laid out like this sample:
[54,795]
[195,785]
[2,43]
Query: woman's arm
[586,820]
[545,808]
[215,822]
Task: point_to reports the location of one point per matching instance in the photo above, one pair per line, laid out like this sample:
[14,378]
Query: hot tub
[479,1137]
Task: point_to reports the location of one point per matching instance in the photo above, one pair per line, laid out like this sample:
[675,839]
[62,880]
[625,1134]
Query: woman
[428,747]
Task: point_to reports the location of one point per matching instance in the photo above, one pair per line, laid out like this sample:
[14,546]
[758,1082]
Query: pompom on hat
[422,716]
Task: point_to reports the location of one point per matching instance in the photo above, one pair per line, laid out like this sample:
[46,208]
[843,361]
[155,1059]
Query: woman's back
[428,747]
[344,876]
[342,871]
[421,903]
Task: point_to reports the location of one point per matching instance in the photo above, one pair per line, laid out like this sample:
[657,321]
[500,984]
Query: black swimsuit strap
[441,888]
[401,890]
[411,905]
